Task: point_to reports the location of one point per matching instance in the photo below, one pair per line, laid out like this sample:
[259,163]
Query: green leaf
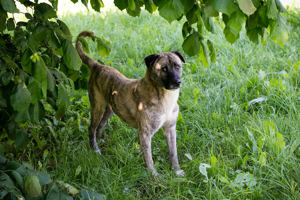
[26,61]
[21,139]
[40,74]
[84,44]
[171,10]
[121,4]
[97,4]
[245,180]
[10,24]
[191,45]
[246,6]
[51,83]
[6,181]
[35,90]
[272,9]
[224,6]
[279,31]
[209,10]
[253,35]
[194,14]
[44,178]
[36,112]
[87,195]
[21,98]
[17,178]
[103,47]
[236,22]
[3,16]
[150,6]
[187,4]
[70,56]
[229,35]
[212,52]
[56,194]
[186,29]
[203,53]
[262,159]
[44,11]
[65,32]
[9,6]
[62,101]
[131,5]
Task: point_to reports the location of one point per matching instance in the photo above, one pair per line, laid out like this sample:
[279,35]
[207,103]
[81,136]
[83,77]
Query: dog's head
[165,69]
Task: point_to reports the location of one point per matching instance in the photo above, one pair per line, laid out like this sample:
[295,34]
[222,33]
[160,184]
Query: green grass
[252,146]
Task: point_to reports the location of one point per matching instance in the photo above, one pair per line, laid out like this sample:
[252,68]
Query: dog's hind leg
[107,114]
[97,113]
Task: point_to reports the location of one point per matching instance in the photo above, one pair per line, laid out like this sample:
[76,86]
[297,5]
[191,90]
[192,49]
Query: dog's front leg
[170,134]
[145,143]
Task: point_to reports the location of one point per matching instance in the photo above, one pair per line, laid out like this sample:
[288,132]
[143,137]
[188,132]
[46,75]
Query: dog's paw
[98,151]
[179,172]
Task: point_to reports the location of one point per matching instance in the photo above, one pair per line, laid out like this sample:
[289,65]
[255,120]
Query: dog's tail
[86,59]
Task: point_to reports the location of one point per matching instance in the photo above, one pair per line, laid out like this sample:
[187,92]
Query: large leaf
[279,31]
[230,35]
[171,10]
[246,6]
[70,56]
[26,61]
[9,6]
[36,111]
[121,4]
[44,11]
[62,101]
[40,74]
[97,4]
[87,195]
[65,32]
[21,98]
[236,22]
[103,47]
[191,44]
[150,6]
[57,194]
[3,16]
[272,9]
[187,4]
[224,6]
[35,90]
[212,52]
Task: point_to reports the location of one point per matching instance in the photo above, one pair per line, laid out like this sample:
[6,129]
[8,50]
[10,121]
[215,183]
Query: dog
[147,104]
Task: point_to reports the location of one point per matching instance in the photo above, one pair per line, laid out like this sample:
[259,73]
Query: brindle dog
[146,104]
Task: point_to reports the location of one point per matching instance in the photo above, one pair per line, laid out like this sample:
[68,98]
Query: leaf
[62,101]
[70,56]
[9,6]
[44,11]
[246,6]
[56,193]
[131,5]
[97,4]
[26,61]
[236,22]
[87,195]
[202,169]
[103,47]
[194,14]
[44,178]
[189,156]
[272,9]
[36,112]
[21,98]
[84,44]
[6,181]
[209,10]
[65,31]
[150,6]
[187,4]
[244,180]
[279,31]
[191,45]
[229,35]
[171,10]
[121,4]
[212,52]
[21,139]
[186,29]
[40,74]
[3,16]
[10,24]
[51,83]
[17,178]
[224,6]
[262,159]
[203,54]
[213,161]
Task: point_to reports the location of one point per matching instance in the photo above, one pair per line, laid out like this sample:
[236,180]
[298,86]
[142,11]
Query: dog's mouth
[173,86]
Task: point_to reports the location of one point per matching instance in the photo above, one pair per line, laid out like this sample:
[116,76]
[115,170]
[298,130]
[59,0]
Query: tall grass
[239,115]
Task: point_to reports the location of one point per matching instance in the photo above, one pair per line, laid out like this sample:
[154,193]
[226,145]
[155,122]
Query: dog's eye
[177,67]
[164,68]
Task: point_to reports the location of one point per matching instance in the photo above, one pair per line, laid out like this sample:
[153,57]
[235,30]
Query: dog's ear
[149,60]
[177,53]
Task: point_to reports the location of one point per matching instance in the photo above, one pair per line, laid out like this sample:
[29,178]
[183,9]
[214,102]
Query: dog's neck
[154,89]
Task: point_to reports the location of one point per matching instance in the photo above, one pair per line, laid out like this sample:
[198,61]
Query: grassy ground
[239,115]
